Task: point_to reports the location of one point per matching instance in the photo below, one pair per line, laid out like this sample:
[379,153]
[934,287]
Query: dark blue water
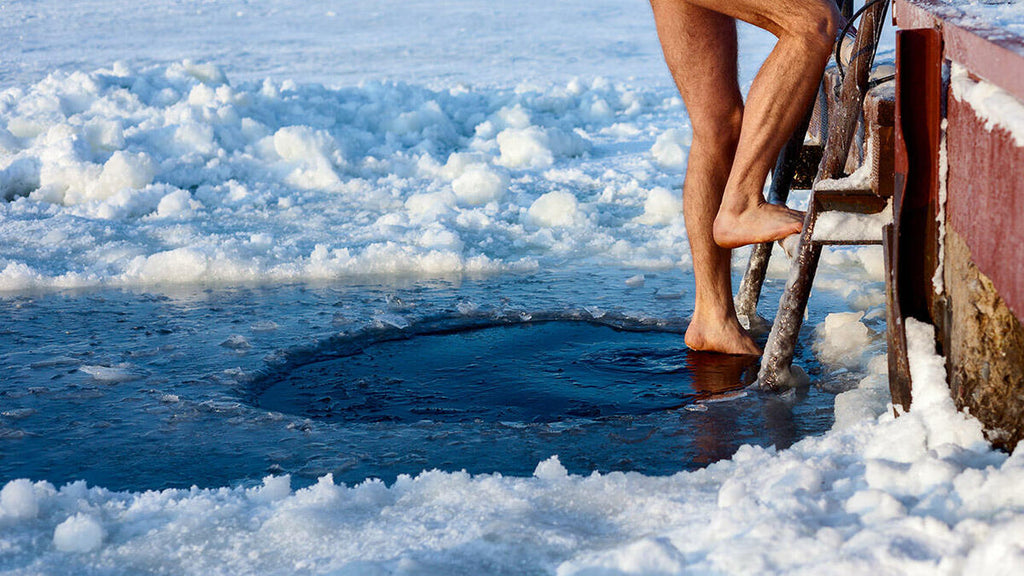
[214,387]
[504,396]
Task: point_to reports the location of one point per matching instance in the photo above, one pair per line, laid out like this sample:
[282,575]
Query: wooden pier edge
[953,255]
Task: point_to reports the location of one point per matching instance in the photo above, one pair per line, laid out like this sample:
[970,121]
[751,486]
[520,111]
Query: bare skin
[735,146]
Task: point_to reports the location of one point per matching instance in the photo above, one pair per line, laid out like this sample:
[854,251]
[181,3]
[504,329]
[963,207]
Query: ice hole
[502,397]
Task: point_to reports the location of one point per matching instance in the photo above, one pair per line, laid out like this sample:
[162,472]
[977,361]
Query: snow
[1003,17]
[167,175]
[79,533]
[835,225]
[151,144]
[938,279]
[991,104]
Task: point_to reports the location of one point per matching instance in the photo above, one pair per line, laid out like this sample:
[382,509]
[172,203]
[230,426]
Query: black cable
[880,81]
[846,28]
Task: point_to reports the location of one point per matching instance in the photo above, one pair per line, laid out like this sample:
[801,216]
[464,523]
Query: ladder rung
[872,242]
[849,200]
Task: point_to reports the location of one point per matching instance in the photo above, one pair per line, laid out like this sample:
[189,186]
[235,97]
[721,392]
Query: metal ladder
[842,121]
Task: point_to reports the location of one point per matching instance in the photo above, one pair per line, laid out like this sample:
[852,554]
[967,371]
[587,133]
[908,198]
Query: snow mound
[170,175]
[671,149]
[79,533]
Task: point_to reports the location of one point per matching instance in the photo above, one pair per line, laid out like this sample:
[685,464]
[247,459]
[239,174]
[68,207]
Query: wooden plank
[918,118]
[900,386]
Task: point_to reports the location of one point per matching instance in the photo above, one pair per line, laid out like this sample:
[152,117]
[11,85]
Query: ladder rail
[776,363]
[749,292]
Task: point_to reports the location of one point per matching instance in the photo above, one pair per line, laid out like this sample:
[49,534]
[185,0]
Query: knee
[719,134]
[817,26]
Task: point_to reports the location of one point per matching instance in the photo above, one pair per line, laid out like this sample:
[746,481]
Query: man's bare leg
[700,49]
[732,150]
[781,92]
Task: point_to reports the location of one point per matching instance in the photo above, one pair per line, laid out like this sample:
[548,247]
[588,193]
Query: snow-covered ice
[170,149]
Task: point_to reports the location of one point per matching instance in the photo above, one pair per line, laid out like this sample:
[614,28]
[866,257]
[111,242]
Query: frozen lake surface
[135,390]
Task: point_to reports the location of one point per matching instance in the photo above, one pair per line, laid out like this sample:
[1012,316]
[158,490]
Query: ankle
[738,206]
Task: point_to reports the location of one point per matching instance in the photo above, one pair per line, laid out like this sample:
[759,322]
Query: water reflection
[764,417]
[720,373]
[716,376]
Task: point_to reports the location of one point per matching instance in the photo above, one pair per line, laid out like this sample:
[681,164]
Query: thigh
[700,50]
[780,17]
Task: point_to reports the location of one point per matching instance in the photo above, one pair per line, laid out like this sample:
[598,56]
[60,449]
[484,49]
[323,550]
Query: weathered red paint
[988,52]
[986,199]
[985,188]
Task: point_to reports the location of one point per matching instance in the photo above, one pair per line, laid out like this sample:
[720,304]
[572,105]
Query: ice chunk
[525,148]
[177,203]
[18,413]
[263,326]
[554,209]
[312,156]
[122,171]
[236,342]
[391,319]
[636,281]
[842,338]
[661,207]
[479,185]
[79,533]
[428,207]
[205,72]
[535,147]
[551,469]
[172,266]
[18,500]
[671,149]
[111,374]
[274,488]
[19,178]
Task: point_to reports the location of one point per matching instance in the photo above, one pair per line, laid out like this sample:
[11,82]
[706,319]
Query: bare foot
[727,337]
[762,223]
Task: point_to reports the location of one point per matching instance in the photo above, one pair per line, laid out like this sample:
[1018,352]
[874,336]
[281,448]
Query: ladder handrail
[779,350]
